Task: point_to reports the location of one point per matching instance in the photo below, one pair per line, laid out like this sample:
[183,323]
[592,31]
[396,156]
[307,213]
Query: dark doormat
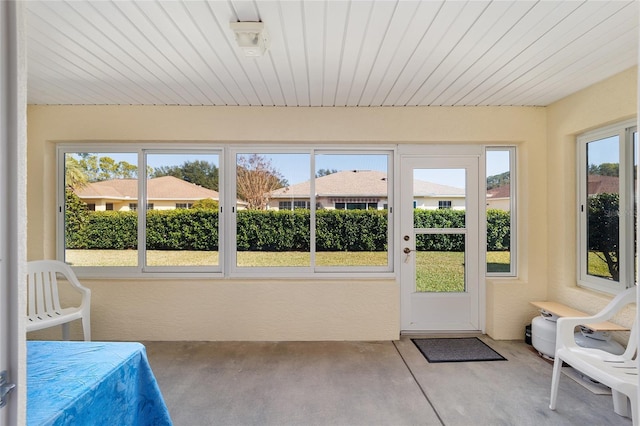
[457,349]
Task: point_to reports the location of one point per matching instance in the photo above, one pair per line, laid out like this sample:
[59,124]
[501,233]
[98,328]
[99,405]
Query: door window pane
[440,263]
[99,227]
[430,186]
[182,222]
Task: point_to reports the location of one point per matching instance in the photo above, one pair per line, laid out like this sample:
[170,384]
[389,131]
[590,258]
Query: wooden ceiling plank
[355,30]
[430,51]
[567,74]
[86,53]
[279,78]
[393,46]
[538,20]
[490,27]
[192,41]
[68,63]
[314,18]
[376,31]
[549,43]
[336,21]
[576,45]
[291,20]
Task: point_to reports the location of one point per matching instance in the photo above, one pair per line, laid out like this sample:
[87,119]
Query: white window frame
[624,130]
[513,210]
[141,269]
[314,271]
[227,224]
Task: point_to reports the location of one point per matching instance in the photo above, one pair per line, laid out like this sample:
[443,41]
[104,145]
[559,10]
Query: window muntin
[607,208]
[444,204]
[501,211]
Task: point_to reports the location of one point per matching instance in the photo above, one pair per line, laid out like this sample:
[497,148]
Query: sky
[295,167]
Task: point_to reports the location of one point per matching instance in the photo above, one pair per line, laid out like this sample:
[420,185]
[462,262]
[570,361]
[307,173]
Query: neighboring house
[362,189]
[433,196]
[598,184]
[499,198]
[163,193]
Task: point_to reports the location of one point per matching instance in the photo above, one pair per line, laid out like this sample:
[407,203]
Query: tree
[75,219]
[605,169]
[256,178]
[496,181]
[197,172]
[325,172]
[604,227]
[102,168]
[75,176]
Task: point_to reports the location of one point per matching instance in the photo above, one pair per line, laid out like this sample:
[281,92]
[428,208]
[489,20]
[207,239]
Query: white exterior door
[439,243]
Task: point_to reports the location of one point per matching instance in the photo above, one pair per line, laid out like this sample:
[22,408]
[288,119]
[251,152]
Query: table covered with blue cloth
[92,383]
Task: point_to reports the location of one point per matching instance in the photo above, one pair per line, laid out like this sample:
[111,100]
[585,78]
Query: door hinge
[5,388]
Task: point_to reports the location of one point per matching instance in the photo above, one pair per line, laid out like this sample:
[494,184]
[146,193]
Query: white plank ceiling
[325,52]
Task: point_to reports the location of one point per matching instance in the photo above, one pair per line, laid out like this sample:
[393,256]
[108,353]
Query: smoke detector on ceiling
[251,37]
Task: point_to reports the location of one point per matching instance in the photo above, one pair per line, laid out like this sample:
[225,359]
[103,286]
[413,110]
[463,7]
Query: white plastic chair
[43,309]
[619,372]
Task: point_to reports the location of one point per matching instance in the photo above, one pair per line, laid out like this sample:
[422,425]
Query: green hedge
[336,230]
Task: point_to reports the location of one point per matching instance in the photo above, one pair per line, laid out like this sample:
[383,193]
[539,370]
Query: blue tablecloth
[92,383]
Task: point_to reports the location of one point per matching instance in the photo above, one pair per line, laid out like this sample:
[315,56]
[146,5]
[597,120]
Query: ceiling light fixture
[251,37]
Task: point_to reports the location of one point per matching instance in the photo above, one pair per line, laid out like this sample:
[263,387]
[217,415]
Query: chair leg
[555,382]
[620,403]
[86,328]
[65,331]
[634,408]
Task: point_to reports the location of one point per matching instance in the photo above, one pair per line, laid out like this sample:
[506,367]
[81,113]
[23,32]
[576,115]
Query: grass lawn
[435,271]
[597,267]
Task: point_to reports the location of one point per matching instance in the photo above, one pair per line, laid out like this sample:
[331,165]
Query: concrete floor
[363,383]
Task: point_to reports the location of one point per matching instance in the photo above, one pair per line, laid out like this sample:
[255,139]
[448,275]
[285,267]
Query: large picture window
[607,207]
[298,210]
[312,210]
[103,224]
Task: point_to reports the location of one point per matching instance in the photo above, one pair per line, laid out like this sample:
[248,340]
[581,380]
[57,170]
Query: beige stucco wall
[270,309]
[608,102]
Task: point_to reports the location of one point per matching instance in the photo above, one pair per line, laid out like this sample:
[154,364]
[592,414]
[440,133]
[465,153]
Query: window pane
[182,209]
[498,211]
[603,195]
[266,235]
[100,228]
[351,225]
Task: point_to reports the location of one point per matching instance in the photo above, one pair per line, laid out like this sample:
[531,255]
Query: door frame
[448,151]
[13,221]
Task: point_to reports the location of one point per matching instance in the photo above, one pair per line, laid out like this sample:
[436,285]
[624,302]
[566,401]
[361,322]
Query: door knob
[406,250]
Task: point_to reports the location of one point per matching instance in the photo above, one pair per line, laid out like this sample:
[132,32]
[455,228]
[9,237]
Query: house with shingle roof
[598,184]
[362,189]
[499,198]
[163,193]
